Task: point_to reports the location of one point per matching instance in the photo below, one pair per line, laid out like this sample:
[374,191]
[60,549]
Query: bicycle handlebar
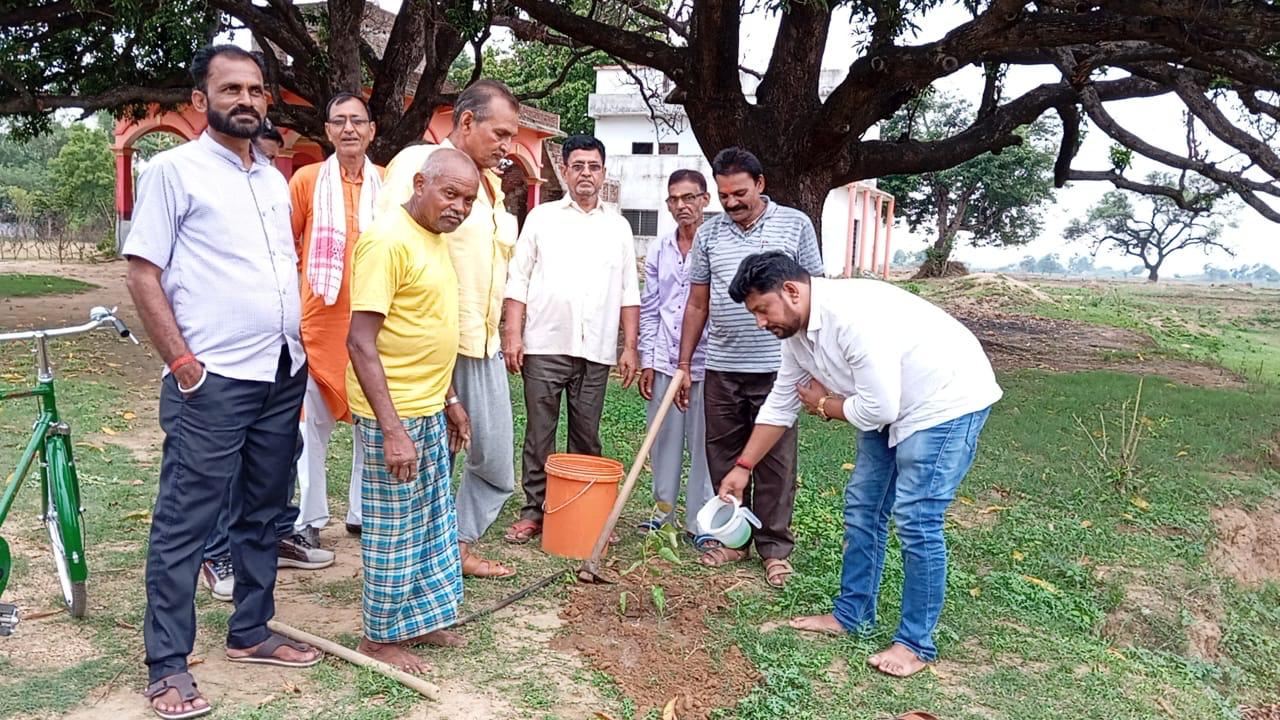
[98,317]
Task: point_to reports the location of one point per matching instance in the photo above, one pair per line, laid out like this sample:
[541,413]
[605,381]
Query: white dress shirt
[897,359]
[574,270]
[220,233]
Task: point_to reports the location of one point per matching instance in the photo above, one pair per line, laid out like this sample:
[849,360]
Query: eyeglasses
[689,199]
[580,168]
[340,122]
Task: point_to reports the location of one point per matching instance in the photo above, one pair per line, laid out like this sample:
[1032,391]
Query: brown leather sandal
[185,685]
[777,571]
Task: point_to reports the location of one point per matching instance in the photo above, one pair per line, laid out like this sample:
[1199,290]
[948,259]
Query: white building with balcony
[646,141]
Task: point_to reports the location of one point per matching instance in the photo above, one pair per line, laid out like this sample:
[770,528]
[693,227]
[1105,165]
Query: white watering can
[728,522]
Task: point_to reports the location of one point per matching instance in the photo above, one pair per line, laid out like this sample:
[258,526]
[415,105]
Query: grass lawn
[17,285]
[1076,588]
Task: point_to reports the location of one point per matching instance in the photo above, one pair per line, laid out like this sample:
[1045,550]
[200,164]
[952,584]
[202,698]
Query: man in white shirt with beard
[918,388]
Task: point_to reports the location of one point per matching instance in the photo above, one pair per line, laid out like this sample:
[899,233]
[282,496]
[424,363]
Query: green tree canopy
[992,199]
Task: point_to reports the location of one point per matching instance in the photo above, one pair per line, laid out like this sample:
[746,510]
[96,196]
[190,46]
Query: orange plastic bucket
[581,490]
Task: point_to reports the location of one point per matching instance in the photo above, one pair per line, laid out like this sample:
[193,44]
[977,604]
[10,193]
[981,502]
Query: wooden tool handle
[422,687]
[636,466]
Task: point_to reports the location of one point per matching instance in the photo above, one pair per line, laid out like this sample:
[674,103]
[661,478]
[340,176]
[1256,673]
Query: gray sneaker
[312,535]
[218,577]
[297,551]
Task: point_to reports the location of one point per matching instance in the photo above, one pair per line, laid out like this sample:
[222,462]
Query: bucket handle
[568,502]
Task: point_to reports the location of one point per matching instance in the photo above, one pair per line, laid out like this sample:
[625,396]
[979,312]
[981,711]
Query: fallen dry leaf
[1041,583]
[1017,556]
[128,415]
[994,509]
[195,661]
[669,710]
[964,499]
[603,716]
[847,466]
[291,688]
[975,591]
[108,431]
[1086,524]
[1140,502]
[266,700]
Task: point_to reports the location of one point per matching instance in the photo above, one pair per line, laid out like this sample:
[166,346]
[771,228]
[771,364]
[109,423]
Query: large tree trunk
[790,186]
[1154,274]
[937,262]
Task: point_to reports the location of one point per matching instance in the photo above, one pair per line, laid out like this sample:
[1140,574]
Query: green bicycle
[59,489]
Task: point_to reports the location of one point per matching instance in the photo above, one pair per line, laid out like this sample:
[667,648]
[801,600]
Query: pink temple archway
[535,126]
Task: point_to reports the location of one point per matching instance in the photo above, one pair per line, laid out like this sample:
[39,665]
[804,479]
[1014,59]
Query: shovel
[590,570]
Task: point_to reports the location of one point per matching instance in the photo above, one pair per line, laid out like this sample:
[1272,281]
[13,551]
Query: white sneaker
[297,551]
[219,577]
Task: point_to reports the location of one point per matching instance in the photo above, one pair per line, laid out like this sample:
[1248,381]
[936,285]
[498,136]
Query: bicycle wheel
[62,520]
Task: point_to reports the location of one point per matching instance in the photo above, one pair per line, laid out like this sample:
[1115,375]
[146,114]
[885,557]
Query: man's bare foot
[898,661]
[826,624]
[439,638]
[393,654]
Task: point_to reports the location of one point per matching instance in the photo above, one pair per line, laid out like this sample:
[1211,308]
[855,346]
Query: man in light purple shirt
[666,287]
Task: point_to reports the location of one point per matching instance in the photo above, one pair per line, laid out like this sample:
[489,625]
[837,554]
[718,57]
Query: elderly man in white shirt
[917,386]
[570,285]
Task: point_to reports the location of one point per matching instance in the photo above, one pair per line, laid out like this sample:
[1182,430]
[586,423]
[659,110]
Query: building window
[668,148]
[643,222]
[641,148]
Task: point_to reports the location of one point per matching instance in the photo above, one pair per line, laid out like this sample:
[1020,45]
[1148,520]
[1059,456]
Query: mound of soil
[951,269]
[1248,546]
[659,656]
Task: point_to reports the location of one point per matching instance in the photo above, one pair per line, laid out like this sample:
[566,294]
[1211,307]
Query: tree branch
[616,41]
[113,98]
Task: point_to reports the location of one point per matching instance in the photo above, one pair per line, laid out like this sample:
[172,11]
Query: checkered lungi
[409,539]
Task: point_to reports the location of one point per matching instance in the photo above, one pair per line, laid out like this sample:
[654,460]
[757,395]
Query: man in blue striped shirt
[742,358]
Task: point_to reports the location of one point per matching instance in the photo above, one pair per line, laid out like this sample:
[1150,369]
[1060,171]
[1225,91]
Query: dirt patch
[1153,611]
[1015,341]
[1267,712]
[656,657]
[1248,545]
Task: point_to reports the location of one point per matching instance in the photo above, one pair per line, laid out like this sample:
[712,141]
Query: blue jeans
[916,481]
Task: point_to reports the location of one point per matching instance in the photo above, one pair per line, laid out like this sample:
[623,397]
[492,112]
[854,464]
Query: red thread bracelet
[180,361]
[744,465]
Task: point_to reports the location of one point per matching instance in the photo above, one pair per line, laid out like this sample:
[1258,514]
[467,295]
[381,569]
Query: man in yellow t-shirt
[403,342]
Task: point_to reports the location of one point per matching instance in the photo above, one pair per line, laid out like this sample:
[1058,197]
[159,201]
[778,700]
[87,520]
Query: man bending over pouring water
[918,388]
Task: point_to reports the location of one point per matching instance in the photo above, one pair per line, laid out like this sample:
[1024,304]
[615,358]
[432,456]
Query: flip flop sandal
[703,543]
[187,692]
[649,526]
[522,531]
[264,654]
